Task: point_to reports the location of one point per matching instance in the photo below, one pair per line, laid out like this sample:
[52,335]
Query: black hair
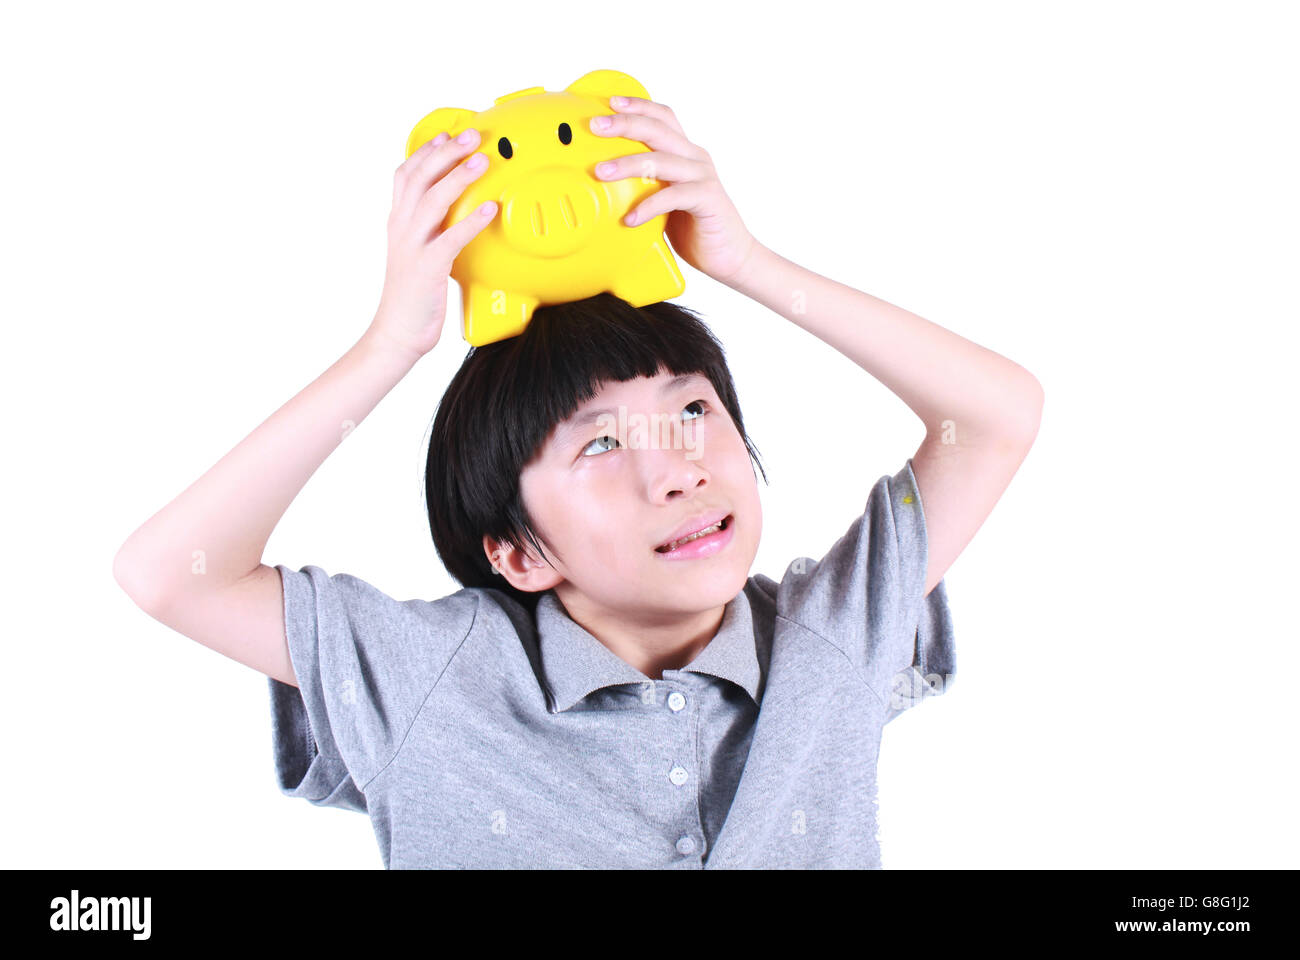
[508,396]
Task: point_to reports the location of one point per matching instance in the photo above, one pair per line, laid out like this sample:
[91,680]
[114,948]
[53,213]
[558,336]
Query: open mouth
[699,542]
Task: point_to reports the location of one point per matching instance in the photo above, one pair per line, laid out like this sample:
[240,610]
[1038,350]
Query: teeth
[694,536]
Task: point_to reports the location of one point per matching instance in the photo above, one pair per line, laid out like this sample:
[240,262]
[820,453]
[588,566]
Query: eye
[613,440]
[565,134]
[504,148]
[701,404]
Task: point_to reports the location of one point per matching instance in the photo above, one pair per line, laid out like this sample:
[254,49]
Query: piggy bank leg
[653,278]
[493,314]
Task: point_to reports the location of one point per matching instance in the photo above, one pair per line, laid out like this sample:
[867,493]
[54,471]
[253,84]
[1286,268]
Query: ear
[521,568]
[451,119]
[603,84]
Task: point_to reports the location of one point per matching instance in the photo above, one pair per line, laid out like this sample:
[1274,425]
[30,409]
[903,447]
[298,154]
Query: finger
[435,165]
[448,245]
[404,169]
[654,165]
[651,131]
[690,197]
[649,108]
[431,209]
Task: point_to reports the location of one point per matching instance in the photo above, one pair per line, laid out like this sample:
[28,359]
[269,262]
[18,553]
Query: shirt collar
[575,663]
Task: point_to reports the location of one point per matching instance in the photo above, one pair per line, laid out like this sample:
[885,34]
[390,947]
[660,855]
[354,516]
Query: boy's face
[634,465]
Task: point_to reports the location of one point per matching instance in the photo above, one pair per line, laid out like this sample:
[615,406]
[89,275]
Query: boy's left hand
[703,225]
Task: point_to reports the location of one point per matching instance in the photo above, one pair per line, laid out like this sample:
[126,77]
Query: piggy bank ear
[444,118]
[603,84]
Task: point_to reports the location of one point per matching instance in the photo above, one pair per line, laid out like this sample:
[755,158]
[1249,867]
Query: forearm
[949,382]
[213,534]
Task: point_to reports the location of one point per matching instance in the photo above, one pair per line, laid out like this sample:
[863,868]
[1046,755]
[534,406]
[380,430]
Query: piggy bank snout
[550,212]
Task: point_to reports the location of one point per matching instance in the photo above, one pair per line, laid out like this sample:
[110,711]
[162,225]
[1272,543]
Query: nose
[671,476]
[550,212]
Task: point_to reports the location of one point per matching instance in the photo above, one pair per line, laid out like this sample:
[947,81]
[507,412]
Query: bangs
[568,352]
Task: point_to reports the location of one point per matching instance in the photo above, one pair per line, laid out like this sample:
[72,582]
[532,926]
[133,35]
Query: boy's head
[569,454]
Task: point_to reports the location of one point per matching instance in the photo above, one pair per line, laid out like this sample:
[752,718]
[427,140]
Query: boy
[608,689]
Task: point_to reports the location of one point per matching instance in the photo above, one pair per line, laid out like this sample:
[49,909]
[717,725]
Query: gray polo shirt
[477,736]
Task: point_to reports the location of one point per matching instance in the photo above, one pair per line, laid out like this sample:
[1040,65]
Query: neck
[651,644]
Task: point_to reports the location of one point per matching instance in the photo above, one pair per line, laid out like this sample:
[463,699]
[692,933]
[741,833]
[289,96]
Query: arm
[981,411]
[196,564]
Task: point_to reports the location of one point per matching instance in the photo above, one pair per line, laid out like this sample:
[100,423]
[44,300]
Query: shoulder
[343,611]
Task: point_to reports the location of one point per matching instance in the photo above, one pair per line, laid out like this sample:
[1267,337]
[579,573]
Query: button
[678,775]
[685,844]
[676,701]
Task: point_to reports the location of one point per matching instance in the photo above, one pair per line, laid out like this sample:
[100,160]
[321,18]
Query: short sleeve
[865,596]
[365,663]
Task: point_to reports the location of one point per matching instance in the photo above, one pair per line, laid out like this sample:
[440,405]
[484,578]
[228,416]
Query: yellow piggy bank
[558,234]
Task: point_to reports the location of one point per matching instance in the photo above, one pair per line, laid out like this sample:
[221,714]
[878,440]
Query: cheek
[589,513]
[602,547]
[551,512]
[730,451]
[592,493]
[605,519]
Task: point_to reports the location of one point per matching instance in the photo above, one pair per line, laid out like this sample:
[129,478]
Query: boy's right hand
[413,305]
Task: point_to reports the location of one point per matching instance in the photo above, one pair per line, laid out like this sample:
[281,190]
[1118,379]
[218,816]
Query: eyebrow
[564,433]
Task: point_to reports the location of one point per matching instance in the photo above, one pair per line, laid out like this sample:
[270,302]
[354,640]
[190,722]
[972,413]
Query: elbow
[1036,408]
[135,581]
[1029,409]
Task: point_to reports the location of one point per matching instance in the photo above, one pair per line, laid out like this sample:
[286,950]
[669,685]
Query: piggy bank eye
[504,148]
[566,135]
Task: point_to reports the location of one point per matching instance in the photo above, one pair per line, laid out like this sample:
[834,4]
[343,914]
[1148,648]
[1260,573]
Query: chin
[698,588]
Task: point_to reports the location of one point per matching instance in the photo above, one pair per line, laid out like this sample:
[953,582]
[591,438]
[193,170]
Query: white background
[194,207]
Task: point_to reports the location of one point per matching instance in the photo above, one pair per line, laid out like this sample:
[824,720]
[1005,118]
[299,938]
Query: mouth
[702,543]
